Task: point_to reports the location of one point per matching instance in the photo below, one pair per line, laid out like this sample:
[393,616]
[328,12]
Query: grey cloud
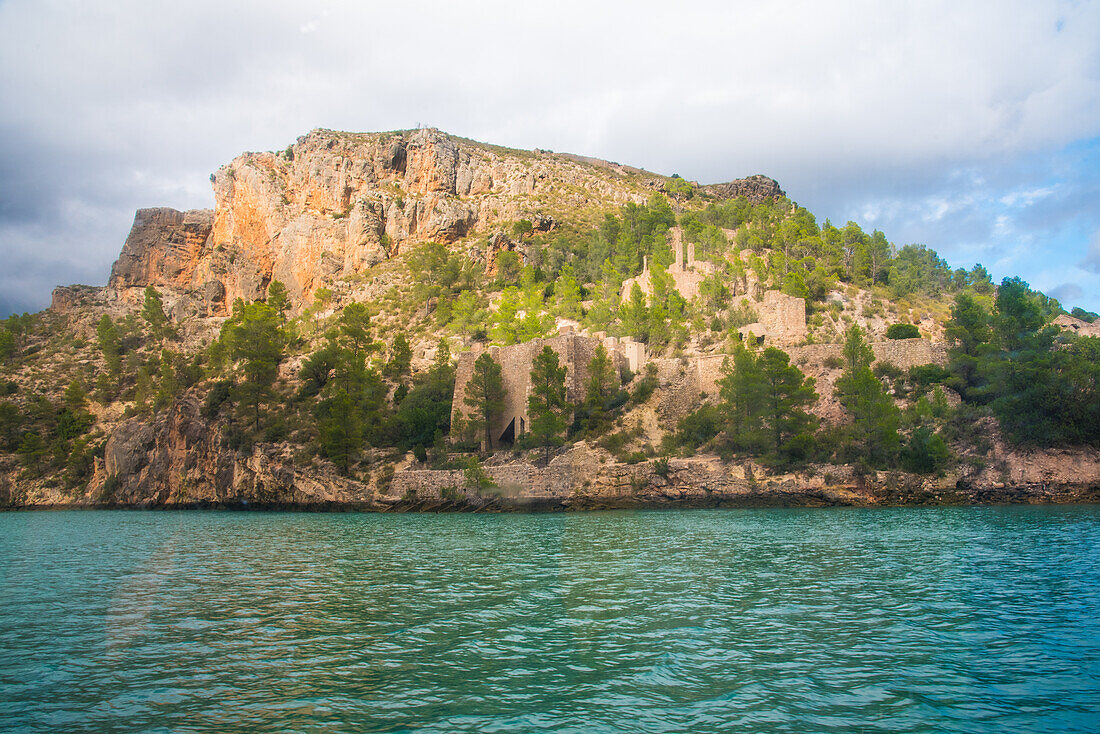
[109,108]
[1066,292]
[1092,259]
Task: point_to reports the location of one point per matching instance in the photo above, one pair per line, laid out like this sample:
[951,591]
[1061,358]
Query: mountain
[411,320]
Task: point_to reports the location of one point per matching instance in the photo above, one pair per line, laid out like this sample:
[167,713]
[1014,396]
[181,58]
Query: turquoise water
[832,620]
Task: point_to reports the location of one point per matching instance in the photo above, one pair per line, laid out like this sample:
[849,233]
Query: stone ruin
[574,351]
[1077,326]
[782,318]
[686,274]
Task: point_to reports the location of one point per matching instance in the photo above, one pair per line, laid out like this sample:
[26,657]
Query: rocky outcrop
[580,479]
[334,204]
[164,247]
[757,189]
[181,459]
[68,298]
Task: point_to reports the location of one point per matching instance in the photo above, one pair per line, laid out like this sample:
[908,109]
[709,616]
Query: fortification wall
[906,353]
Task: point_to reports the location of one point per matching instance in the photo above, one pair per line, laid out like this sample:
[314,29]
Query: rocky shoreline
[817,497]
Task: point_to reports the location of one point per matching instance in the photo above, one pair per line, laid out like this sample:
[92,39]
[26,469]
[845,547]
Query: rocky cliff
[333,204]
[340,211]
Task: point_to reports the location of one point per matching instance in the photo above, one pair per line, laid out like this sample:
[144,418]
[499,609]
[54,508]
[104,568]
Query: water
[910,620]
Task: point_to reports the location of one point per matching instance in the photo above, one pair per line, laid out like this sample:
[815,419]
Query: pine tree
[970,332]
[740,391]
[153,312]
[568,293]
[547,404]
[600,388]
[400,357]
[255,340]
[278,298]
[786,392]
[874,431]
[485,396]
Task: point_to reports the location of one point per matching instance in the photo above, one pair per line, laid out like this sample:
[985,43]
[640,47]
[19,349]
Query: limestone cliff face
[180,459]
[333,204]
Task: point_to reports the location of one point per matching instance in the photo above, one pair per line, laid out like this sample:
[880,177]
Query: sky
[969,127]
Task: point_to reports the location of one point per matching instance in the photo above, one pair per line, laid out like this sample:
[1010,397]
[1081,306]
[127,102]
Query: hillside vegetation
[346,376]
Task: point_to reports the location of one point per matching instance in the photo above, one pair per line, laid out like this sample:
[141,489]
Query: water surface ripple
[910,620]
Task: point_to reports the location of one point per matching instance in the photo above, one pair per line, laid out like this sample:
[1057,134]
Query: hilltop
[319,338]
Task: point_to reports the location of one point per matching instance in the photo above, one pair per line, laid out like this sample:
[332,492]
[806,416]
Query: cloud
[1066,292]
[926,116]
[1092,259]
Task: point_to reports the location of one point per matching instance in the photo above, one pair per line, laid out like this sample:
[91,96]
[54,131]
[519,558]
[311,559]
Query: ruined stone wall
[520,480]
[687,383]
[782,319]
[906,353]
[516,361]
[686,275]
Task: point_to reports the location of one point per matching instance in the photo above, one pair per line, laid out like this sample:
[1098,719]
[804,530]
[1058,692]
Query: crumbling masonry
[574,352]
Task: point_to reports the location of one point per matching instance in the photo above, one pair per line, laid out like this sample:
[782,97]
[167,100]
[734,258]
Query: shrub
[902,331]
[661,467]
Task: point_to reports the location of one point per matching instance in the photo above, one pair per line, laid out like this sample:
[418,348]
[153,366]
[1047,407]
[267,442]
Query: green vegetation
[1043,385]
[763,398]
[872,439]
[902,331]
[338,382]
[547,404]
[485,396]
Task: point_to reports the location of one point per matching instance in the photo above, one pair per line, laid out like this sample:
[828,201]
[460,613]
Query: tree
[568,293]
[278,298]
[355,330]
[484,394]
[424,414]
[925,452]
[400,357]
[970,333]
[255,340]
[153,312]
[469,316]
[522,228]
[635,315]
[353,400]
[436,272]
[762,400]
[110,344]
[7,344]
[874,432]
[740,391]
[547,405]
[601,389]
[786,391]
[509,267]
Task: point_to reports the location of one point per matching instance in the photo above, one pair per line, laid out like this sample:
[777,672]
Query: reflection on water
[967,620]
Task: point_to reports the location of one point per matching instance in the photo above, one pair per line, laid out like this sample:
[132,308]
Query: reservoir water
[833,620]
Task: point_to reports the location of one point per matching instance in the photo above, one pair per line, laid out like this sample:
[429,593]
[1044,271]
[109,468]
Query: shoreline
[813,498]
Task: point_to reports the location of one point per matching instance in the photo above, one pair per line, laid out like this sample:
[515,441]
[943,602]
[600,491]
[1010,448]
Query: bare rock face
[757,189]
[163,247]
[67,298]
[181,459]
[333,204]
